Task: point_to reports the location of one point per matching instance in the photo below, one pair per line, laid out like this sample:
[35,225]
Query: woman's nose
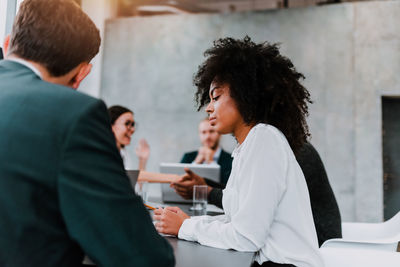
[209,108]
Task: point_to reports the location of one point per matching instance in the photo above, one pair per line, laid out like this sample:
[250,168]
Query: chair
[370,236]
[351,257]
[372,231]
[389,245]
[365,245]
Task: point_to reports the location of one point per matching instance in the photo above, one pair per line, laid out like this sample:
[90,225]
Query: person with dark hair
[210,151]
[326,214]
[63,188]
[324,207]
[123,126]
[253,92]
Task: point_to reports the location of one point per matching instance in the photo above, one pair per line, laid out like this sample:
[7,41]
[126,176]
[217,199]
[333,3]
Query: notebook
[210,171]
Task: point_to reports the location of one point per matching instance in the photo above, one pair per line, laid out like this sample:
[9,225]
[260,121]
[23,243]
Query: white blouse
[266,203]
[126,159]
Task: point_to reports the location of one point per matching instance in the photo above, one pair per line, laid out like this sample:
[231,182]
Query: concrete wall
[99,11]
[3,16]
[349,53]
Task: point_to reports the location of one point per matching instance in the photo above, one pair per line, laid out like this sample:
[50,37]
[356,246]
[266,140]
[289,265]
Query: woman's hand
[184,186]
[169,220]
[143,153]
[205,154]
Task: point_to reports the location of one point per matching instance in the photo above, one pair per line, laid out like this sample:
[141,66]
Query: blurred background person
[123,126]
[210,151]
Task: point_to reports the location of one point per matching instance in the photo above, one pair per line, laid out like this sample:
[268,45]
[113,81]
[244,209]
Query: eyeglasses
[130,124]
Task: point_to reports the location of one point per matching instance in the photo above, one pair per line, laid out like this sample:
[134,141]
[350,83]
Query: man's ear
[5,46]
[83,71]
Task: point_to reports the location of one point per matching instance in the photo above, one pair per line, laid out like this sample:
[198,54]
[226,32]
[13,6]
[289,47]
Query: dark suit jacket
[1,53]
[63,188]
[225,161]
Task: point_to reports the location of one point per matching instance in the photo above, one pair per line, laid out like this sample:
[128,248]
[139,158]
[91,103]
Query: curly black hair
[264,85]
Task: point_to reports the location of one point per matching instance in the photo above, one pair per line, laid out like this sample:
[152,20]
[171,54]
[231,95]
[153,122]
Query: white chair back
[372,231]
[365,245]
[382,245]
[350,257]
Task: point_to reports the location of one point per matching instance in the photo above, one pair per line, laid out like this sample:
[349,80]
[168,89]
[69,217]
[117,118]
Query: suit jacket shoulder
[189,157]
[225,156]
[225,161]
[61,154]
[324,207]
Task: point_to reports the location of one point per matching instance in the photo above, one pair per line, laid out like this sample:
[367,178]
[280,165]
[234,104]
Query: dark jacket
[324,207]
[63,188]
[225,161]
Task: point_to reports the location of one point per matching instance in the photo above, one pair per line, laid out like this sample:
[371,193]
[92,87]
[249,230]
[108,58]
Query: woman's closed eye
[215,98]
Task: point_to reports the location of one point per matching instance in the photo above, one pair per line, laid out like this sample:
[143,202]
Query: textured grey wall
[349,53]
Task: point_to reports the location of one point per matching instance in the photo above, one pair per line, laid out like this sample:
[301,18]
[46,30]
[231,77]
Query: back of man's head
[54,33]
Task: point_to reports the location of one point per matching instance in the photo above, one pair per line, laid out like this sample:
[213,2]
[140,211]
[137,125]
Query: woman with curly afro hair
[253,92]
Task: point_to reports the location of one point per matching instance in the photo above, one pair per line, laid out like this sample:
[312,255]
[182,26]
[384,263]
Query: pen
[150,207]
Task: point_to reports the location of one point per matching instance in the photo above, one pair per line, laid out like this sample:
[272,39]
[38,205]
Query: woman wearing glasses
[123,126]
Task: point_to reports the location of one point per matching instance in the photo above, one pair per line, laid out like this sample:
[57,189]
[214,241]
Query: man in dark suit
[63,189]
[210,151]
[1,53]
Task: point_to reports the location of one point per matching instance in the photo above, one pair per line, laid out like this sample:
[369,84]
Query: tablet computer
[210,171]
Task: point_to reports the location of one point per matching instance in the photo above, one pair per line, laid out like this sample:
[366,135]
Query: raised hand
[204,155]
[143,153]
